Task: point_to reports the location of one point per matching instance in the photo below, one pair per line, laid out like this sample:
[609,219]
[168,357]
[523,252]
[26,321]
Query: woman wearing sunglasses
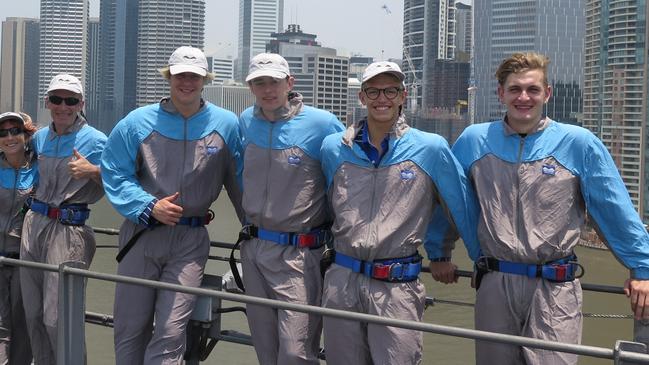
[55,229]
[18,176]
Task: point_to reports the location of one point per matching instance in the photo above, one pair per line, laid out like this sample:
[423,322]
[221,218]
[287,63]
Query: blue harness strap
[562,270]
[67,214]
[316,238]
[398,270]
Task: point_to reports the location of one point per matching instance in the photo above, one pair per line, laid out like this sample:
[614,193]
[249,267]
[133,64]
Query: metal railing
[72,316]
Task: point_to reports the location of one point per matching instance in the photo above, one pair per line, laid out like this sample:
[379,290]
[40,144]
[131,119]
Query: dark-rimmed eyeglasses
[69,101]
[14,131]
[389,92]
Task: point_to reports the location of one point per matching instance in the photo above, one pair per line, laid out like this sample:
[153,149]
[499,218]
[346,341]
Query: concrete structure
[222,67]
[463,31]
[320,74]
[428,35]
[615,89]
[552,27]
[118,60]
[234,97]
[164,25]
[257,20]
[63,43]
[92,74]
[19,65]
[355,109]
[447,82]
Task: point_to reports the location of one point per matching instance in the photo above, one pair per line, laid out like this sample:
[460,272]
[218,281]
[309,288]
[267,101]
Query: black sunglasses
[57,100]
[14,131]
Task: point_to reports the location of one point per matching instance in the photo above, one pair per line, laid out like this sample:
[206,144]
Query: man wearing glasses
[54,230]
[386,182]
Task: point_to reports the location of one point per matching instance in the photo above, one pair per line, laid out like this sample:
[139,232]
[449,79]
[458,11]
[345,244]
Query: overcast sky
[350,26]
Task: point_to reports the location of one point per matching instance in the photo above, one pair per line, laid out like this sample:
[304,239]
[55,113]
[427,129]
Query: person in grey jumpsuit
[164,165]
[388,184]
[286,212]
[54,230]
[18,179]
[536,180]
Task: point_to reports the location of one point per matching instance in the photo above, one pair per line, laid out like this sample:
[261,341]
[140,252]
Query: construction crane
[413,89]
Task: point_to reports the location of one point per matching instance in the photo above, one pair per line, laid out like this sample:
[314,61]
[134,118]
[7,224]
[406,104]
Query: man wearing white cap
[54,230]
[286,211]
[388,184]
[164,165]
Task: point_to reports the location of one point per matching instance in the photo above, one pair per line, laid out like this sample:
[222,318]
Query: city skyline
[370,29]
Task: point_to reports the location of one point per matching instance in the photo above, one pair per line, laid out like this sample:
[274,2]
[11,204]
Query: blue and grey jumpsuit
[49,240]
[383,210]
[15,187]
[153,153]
[534,194]
[284,191]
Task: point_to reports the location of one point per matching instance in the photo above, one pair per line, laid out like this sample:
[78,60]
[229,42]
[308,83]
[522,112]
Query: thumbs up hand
[81,168]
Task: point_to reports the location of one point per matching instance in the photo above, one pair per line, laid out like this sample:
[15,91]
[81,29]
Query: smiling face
[12,145]
[63,115]
[524,93]
[382,110]
[185,89]
[270,93]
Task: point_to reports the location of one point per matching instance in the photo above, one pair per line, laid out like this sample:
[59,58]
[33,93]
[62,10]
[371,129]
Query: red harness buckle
[380,271]
[306,240]
[53,213]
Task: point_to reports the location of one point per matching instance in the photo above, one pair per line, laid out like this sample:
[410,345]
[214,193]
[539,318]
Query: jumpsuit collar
[75,127]
[540,126]
[283,113]
[168,106]
[399,128]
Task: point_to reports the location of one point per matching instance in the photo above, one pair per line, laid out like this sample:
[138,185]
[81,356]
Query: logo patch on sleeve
[407,174]
[294,160]
[549,170]
[211,150]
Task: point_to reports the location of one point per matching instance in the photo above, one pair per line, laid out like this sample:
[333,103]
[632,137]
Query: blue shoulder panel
[305,131]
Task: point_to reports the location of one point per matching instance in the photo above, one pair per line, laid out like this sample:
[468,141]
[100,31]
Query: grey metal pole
[71,342]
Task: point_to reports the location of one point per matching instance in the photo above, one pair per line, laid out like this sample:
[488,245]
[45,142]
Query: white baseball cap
[381,67]
[188,59]
[65,82]
[268,64]
[12,116]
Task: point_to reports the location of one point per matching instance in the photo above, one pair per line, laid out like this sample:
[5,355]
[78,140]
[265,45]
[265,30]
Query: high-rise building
[63,43]
[428,35]
[222,68]
[615,89]
[92,73]
[463,31]
[551,27]
[117,61]
[447,80]
[19,65]
[233,97]
[320,74]
[257,20]
[164,25]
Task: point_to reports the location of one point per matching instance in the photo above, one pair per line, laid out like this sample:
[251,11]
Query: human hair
[29,126]
[521,62]
[167,75]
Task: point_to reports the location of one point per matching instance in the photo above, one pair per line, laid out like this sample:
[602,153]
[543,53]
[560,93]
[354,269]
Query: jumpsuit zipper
[517,209]
[270,162]
[182,170]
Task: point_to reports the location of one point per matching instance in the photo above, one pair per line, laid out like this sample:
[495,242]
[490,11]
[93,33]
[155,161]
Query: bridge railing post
[71,344]
[627,346]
